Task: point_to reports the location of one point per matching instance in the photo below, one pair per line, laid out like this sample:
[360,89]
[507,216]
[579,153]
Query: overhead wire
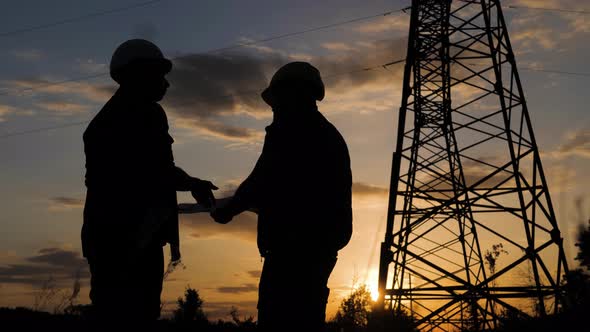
[152,2]
[574,11]
[78,18]
[560,72]
[8,91]
[541,70]
[43,129]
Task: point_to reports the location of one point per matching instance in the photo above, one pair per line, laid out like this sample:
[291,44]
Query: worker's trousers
[123,290]
[293,292]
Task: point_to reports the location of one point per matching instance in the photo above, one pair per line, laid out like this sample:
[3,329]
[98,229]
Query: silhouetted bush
[357,313]
[391,320]
[584,246]
[190,309]
[353,313]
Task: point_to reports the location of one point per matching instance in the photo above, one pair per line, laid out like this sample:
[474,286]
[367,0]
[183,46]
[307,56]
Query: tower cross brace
[471,231]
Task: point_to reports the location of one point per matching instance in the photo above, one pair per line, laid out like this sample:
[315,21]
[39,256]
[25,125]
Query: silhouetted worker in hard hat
[301,187]
[131,180]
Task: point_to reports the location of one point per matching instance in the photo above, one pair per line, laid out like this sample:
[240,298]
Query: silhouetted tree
[354,310]
[246,324]
[491,257]
[46,294]
[584,246]
[472,320]
[577,282]
[577,288]
[190,309]
[398,320]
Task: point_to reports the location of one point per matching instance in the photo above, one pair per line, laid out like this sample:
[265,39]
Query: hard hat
[137,51]
[295,75]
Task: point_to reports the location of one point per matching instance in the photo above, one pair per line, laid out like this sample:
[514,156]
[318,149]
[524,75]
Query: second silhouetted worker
[301,186]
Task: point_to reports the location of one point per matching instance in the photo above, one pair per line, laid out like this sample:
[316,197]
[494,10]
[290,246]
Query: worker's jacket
[131,196]
[301,186]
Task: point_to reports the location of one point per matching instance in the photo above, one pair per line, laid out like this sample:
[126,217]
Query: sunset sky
[217,120]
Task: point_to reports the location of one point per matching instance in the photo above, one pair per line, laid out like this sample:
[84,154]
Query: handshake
[202,192]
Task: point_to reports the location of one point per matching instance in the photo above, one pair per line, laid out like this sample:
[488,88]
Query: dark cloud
[219,84]
[59,257]
[246,288]
[207,88]
[255,274]
[208,91]
[58,264]
[62,202]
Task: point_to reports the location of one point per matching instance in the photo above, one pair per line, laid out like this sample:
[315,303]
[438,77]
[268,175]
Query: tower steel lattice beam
[471,230]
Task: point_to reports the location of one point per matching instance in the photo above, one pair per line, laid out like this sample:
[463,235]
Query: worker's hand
[202,192]
[174,253]
[221,215]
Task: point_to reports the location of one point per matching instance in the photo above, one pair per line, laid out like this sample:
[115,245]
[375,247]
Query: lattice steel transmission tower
[471,231]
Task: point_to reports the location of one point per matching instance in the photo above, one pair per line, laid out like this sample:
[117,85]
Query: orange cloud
[65,203]
[576,143]
[6,110]
[390,23]
[64,107]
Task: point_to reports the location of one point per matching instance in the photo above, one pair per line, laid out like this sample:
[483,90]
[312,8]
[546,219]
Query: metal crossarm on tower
[471,231]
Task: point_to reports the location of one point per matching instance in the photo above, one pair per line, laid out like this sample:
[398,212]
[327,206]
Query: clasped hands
[203,194]
[202,191]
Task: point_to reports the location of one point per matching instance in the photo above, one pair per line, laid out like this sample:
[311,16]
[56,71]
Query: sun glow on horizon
[371,284]
[374,290]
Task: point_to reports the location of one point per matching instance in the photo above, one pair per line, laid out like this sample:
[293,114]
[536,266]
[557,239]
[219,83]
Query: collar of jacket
[297,119]
[128,96]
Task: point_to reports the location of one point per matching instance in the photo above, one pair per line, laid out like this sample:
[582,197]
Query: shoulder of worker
[124,114]
[105,119]
[330,131]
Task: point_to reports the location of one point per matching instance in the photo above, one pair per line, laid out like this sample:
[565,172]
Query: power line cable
[541,70]
[78,123]
[8,91]
[321,27]
[550,9]
[78,18]
[554,9]
[560,72]
[152,2]
[48,84]
[42,129]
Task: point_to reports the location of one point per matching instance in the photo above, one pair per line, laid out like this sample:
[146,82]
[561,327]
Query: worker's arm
[200,189]
[248,193]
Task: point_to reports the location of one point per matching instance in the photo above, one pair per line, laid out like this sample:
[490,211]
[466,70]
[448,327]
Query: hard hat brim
[268,96]
[162,66]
